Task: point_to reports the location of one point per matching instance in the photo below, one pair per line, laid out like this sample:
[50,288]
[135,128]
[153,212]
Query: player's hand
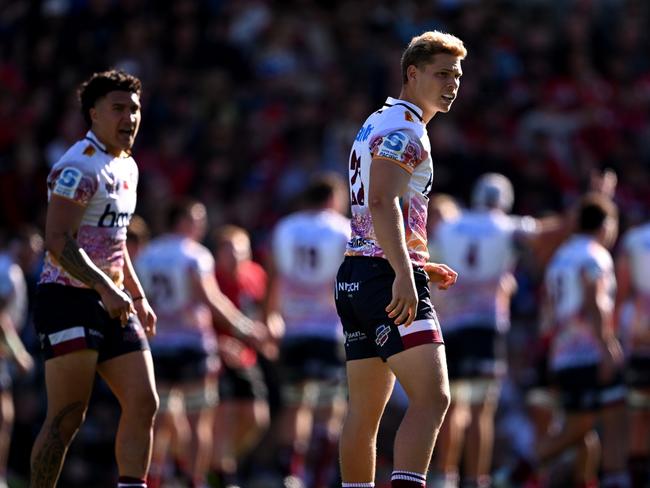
[117,303]
[441,274]
[611,361]
[260,338]
[231,351]
[146,315]
[404,304]
[25,362]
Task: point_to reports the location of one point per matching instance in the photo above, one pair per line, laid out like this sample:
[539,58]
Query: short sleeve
[592,271]
[402,147]
[73,183]
[204,262]
[524,227]
[6,286]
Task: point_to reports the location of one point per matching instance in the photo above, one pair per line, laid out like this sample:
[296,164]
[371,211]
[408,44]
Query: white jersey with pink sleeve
[308,249]
[105,185]
[481,247]
[581,260]
[636,245]
[395,133]
[166,268]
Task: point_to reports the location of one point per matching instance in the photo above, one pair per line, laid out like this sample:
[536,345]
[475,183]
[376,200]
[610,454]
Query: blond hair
[422,48]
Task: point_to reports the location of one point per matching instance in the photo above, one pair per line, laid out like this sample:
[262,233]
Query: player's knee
[435,402]
[150,405]
[144,405]
[444,400]
[68,421]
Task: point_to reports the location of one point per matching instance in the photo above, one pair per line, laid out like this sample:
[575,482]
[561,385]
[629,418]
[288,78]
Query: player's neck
[410,97]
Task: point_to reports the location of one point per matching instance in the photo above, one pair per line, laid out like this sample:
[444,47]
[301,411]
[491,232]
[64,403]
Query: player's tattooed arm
[76,262]
[64,217]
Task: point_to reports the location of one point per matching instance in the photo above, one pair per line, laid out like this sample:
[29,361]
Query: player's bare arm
[63,219]
[146,315]
[10,343]
[601,320]
[388,182]
[271,305]
[225,312]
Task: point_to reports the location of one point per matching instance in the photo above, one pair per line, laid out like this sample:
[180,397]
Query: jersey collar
[417,111]
[90,136]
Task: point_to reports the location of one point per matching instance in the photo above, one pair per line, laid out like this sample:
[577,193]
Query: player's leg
[242,416]
[614,434]
[71,356]
[370,382]
[637,375]
[294,426]
[6,419]
[131,379]
[587,462]
[422,371]
[639,436]
[68,380]
[328,421]
[579,394]
[200,400]
[166,433]
[448,448]
[483,400]
[487,363]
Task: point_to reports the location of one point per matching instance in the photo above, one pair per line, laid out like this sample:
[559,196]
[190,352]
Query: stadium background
[244,99]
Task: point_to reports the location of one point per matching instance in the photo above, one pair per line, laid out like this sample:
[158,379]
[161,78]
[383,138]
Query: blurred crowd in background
[243,100]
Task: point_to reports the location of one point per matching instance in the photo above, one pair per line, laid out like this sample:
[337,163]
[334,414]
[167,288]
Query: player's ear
[411,72]
[93,114]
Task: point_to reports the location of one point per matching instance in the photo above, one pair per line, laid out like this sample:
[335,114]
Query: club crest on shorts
[381,334]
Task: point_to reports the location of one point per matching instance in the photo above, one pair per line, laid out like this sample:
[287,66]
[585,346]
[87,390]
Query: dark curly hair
[99,84]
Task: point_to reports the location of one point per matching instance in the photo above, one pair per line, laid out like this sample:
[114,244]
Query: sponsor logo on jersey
[113,218]
[359,242]
[364,133]
[408,117]
[67,182]
[392,146]
[381,334]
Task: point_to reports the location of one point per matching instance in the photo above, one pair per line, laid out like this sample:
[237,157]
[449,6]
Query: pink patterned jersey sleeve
[402,147]
[72,183]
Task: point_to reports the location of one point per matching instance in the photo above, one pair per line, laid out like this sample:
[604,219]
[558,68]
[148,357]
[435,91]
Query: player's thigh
[131,379]
[422,372]
[69,380]
[370,383]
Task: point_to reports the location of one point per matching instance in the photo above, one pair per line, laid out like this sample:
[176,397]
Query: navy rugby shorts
[363,290]
[69,319]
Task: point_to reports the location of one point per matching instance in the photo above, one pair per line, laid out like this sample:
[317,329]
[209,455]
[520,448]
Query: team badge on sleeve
[67,182]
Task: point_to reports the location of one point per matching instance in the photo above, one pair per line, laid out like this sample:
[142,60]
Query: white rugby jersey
[481,247]
[106,186]
[308,249]
[398,134]
[165,269]
[13,289]
[636,245]
[581,258]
